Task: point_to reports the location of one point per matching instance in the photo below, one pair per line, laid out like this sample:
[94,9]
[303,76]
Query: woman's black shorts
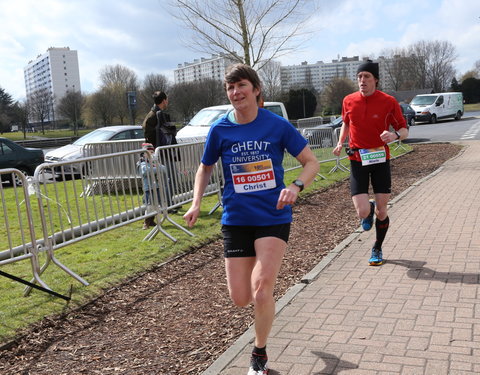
[379,174]
[239,240]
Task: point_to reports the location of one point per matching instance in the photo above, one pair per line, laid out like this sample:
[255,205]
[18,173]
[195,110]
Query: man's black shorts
[238,240]
[360,177]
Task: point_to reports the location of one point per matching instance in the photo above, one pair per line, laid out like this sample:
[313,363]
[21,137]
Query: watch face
[299,184]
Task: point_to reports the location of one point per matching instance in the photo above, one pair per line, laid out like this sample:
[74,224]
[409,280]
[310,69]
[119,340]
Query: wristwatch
[398,134]
[299,183]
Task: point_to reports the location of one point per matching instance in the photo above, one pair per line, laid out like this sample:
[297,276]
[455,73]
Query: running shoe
[367,223]
[258,365]
[377,257]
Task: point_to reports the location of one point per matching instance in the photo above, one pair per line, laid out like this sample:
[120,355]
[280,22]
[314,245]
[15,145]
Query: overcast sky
[141,35]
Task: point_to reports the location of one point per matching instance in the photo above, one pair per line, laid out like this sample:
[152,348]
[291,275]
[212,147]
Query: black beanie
[370,67]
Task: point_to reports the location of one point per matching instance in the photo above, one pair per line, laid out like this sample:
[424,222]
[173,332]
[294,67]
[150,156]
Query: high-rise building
[52,75]
[319,74]
[205,68]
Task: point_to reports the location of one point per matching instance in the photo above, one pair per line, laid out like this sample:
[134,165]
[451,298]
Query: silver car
[109,133]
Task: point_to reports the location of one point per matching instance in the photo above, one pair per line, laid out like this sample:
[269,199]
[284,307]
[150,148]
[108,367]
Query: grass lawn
[472,107]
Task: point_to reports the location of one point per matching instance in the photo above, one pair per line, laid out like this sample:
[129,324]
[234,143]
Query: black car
[15,156]
[323,135]
[408,113]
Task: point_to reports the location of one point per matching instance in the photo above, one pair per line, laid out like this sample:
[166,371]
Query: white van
[432,107]
[198,127]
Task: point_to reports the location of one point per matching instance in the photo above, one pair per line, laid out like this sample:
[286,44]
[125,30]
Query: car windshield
[275,109]
[424,100]
[207,117]
[98,135]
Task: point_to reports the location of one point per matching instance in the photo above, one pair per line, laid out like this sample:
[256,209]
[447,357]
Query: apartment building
[55,73]
[204,68]
[319,74]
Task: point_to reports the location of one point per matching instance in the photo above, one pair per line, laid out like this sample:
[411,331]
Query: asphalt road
[468,128]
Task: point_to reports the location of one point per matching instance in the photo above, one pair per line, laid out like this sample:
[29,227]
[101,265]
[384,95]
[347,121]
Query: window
[5,149]
[122,135]
[138,134]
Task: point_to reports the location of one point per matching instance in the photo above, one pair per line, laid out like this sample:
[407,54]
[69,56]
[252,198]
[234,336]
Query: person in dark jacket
[159,131]
[157,126]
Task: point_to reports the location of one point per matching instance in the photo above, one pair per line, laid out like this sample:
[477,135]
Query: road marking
[472,132]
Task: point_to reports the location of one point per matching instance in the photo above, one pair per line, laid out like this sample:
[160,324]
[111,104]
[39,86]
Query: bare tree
[151,83]
[399,68]
[41,105]
[334,92]
[469,74]
[100,107]
[249,31]
[433,64]
[182,100]
[71,106]
[186,99]
[476,67]
[271,75]
[119,80]
[22,114]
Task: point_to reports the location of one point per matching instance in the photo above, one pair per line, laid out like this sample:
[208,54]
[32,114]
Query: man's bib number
[373,155]
[250,177]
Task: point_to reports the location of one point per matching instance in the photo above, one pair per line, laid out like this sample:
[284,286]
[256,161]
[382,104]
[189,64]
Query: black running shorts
[239,240]
[379,174]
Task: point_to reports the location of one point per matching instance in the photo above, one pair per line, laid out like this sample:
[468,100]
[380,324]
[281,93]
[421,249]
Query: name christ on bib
[256,176]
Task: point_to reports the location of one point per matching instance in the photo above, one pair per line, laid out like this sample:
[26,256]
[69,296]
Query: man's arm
[396,135]
[343,135]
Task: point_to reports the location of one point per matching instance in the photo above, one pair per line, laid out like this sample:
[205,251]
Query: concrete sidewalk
[416,314]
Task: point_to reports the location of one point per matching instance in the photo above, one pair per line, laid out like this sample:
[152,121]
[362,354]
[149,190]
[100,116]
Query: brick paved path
[416,314]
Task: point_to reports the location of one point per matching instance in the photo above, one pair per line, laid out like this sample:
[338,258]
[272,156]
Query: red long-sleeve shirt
[368,116]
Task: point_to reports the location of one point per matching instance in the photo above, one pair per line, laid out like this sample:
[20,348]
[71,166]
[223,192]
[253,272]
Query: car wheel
[458,116]
[412,122]
[433,119]
[18,181]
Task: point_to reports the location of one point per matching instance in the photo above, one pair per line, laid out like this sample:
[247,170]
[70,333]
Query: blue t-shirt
[252,156]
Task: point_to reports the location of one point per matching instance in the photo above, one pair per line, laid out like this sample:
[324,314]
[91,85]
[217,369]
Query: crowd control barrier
[17,230]
[310,122]
[70,201]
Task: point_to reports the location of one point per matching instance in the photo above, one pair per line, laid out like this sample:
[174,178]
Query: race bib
[251,177]
[373,155]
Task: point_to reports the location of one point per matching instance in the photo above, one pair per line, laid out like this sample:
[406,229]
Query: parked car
[408,113]
[323,135]
[109,133]
[24,159]
[198,127]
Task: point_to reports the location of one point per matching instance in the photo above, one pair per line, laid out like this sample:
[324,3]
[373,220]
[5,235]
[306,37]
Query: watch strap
[299,183]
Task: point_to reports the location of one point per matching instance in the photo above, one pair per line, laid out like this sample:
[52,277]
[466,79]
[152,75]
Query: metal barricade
[338,159]
[103,172]
[309,122]
[17,229]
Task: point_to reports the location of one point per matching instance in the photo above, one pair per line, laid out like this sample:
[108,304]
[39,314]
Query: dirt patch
[177,318]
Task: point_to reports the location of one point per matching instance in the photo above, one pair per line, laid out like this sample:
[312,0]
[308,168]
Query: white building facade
[204,68]
[55,73]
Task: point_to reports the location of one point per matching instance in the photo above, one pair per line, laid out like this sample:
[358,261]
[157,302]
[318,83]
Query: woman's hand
[288,196]
[191,216]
